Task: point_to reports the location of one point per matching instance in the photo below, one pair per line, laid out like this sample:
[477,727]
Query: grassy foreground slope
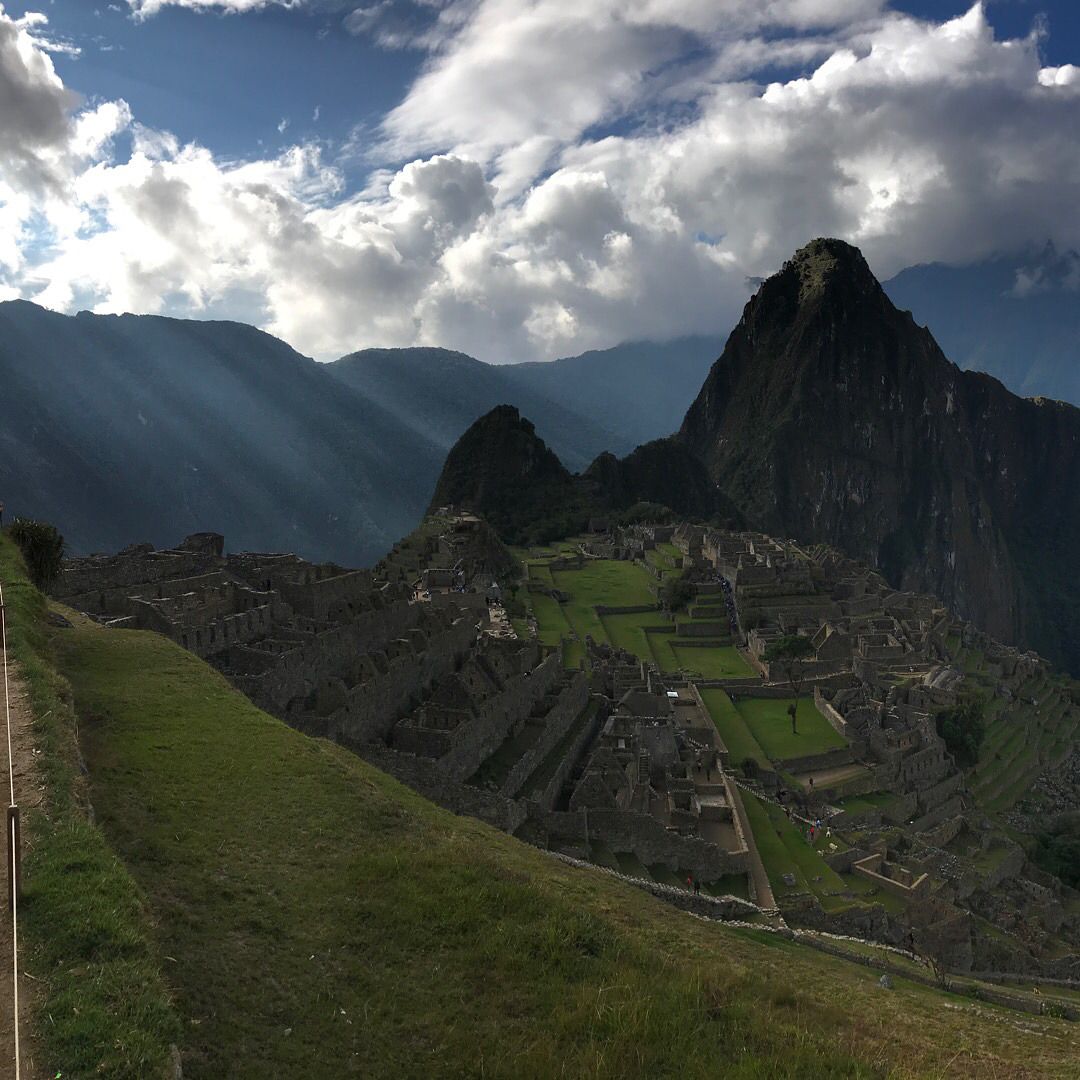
[316,918]
[92,968]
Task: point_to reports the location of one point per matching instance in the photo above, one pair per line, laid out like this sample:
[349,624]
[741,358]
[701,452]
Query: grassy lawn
[625,631]
[719,662]
[734,733]
[657,558]
[873,894]
[606,581]
[732,885]
[767,718]
[875,800]
[573,652]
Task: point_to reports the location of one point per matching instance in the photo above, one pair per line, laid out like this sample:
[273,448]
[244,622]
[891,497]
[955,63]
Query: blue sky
[517,178]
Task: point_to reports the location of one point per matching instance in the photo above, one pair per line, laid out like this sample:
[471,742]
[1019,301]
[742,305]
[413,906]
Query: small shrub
[42,547]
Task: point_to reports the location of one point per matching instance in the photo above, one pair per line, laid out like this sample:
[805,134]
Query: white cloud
[144,9]
[34,106]
[518,228]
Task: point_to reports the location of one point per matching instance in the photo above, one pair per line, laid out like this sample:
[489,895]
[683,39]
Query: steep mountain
[662,471]
[504,471]
[438,394]
[126,428]
[1016,318]
[833,416]
[639,389]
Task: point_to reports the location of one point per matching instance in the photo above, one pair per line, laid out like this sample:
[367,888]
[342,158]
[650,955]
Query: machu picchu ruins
[550,692]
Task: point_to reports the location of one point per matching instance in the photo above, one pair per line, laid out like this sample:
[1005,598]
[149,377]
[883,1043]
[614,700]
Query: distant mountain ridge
[612,400]
[1015,317]
[123,428]
[128,428]
[438,393]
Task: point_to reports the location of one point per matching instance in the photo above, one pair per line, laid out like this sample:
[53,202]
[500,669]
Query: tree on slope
[792,652]
[42,547]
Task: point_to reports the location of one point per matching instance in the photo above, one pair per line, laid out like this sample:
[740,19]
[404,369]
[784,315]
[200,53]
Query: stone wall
[830,759]
[572,700]
[702,628]
[647,839]
[96,575]
[722,908]
[426,778]
[869,867]
[935,817]
[317,598]
[1029,1003]
[550,794]
[480,737]
[367,691]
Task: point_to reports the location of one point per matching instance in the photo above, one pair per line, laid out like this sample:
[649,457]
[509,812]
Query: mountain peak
[826,263]
[504,471]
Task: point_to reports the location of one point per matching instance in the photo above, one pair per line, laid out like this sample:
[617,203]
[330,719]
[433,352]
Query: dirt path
[28,796]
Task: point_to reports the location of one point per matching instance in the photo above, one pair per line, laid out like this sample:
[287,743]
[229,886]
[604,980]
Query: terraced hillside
[315,917]
[614,602]
[1031,725]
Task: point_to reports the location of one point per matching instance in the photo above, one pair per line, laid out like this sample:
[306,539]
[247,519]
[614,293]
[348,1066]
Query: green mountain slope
[315,918]
[126,428]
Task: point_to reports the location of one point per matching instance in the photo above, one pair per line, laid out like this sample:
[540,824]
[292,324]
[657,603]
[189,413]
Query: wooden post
[14,852]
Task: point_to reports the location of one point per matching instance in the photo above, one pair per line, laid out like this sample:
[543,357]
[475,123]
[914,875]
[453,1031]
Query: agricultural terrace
[649,634]
[760,728]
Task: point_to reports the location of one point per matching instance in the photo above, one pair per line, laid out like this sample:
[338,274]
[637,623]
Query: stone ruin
[415,668]
[420,678]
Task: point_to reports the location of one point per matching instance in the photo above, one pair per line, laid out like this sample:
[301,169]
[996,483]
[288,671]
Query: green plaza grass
[610,582]
[767,718]
[626,632]
[733,730]
[874,800]
[601,582]
[716,661]
[550,618]
[318,919]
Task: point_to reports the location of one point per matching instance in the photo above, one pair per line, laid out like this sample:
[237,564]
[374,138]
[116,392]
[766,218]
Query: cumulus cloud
[34,105]
[558,177]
